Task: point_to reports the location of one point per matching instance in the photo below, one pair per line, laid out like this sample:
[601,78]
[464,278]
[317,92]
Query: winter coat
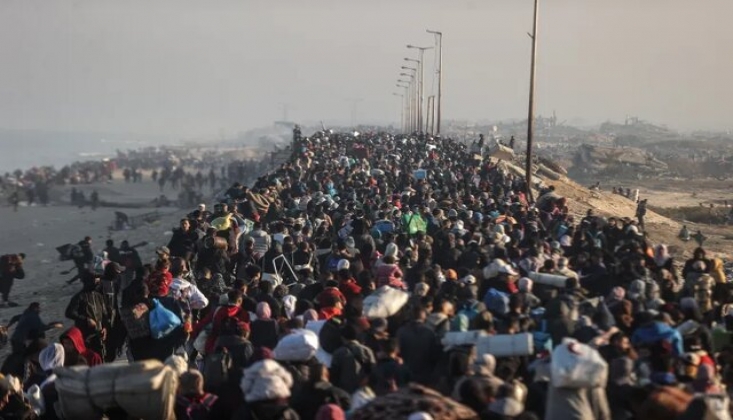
[144,348]
[216,318]
[266,410]
[389,275]
[264,333]
[619,401]
[420,350]
[387,373]
[8,274]
[314,395]
[91,358]
[349,288]
[300,259]
[183,243]
[262,241]
[439,322]
[87,305]
[349,364]
[562,316]
[239,349]
[214,259]
[29,326]
[577,404]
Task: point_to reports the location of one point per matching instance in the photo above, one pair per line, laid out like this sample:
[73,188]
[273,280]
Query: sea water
[26,149]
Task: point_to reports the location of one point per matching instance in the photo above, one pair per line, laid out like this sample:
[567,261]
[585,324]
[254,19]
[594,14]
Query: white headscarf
[289,302]
[51,357]
[661,255]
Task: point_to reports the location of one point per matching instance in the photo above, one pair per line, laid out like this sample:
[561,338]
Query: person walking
[11,268]
[640,213]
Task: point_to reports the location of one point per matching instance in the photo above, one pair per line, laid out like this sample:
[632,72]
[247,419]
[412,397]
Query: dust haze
[191,69]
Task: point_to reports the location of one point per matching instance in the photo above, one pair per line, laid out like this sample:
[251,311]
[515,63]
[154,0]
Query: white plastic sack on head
[298,346]
[548,279]
[576,365]
[461,338]
[384,302]
[275,279]
[505,345]
[321,355]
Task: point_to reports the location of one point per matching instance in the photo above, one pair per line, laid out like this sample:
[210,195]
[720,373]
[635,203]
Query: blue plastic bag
[496,302]
[162,321]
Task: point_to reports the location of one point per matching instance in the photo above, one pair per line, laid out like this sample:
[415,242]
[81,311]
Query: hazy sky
[207,68]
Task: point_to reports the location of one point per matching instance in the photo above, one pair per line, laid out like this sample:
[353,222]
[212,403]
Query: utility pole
[530,117]
[421,79]
[439,106]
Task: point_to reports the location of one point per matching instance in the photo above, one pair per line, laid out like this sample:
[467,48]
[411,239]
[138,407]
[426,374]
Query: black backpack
[217,366]
[330,335]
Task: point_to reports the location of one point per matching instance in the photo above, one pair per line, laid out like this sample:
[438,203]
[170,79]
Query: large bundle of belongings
[384,302]
[414,399]
[501,152]
[145,390]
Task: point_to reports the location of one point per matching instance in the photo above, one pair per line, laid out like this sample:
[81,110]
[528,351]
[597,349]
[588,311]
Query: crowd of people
[445,243]
[180,169]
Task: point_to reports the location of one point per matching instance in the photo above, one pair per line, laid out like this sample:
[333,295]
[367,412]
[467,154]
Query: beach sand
[37,231]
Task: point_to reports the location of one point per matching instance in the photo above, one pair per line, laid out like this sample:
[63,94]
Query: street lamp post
[412,82]
[421,82]
[408,107]
[410,88]
[402,110]
[530,116]
[431,115]
[418,104]
[440,79]
[413,95]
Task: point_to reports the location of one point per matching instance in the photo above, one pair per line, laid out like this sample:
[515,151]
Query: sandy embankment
[37,231]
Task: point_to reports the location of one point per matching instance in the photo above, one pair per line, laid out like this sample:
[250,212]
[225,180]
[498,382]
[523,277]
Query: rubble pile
[611,161]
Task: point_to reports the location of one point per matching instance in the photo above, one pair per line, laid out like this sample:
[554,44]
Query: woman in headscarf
[389,274]
[623,315]
[266,388]
[264,329]
[662,259]
[289,303]
[50,358]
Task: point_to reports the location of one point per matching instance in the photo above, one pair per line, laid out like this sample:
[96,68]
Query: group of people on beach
[390,246]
